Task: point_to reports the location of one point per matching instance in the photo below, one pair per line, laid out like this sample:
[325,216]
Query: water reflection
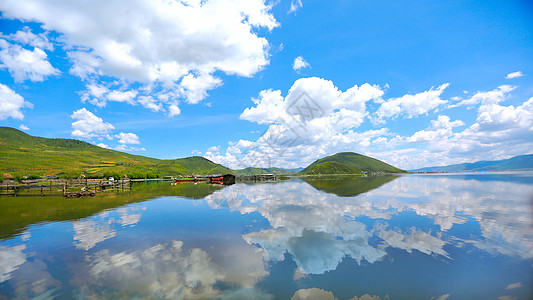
[423,237]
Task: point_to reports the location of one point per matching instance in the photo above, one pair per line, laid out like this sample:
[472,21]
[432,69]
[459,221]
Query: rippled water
[467,236]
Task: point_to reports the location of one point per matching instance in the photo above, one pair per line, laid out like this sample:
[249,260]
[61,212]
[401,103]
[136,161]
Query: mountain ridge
[520,162]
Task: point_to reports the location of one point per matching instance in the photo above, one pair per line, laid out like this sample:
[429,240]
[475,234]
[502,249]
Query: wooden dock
[69,189]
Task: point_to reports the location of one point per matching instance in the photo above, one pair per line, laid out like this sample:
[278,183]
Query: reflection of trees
[348,186]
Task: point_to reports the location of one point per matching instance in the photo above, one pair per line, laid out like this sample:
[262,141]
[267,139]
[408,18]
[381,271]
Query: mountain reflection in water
[413,236]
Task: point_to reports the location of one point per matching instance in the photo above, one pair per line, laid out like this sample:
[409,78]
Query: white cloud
[120,96]
[440,129]
[412,105]
[314,119]
[513,286]
[494,96]
[514,75]
[173,110]
[127,138]
[89,125]
[100,94]
[123,147]
[295,5]
[299,63]
[11,103]
[150,103]
[10,260]
[166,46]
[24,64]
[23,127]
[102,145]
[27,37]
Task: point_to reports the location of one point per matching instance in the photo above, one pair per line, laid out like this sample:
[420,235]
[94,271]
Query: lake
[434,236]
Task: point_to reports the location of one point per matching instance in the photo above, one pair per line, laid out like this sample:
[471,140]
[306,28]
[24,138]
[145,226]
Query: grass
[23,154]
[356,163]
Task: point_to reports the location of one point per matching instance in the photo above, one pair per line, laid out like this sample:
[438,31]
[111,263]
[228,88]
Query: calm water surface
[466,236]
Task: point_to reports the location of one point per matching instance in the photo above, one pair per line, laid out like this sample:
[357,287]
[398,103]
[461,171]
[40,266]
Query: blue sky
[414,83]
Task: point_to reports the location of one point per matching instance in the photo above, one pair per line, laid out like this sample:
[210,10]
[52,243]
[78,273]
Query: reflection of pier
[259,177]
[226,179]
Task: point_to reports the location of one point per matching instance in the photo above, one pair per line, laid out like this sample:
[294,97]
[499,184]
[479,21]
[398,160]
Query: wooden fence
[71,189]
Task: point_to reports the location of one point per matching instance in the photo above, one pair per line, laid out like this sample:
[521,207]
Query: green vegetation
[23,155]
[16,214]
[522,162]
[331,167]
[349,163]
[348,186]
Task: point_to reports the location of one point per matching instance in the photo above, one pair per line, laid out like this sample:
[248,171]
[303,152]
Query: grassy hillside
[330,168]
[522,162]
[24,154]
[348,163]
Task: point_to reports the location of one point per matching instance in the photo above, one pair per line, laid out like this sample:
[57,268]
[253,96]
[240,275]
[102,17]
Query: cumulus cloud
[299,63]
[88,125]
[514,75]
[24,64]
[411,105]
[27,37]
[11,103]
[490,97]
[100,94]
[166,46]
[315,117]
[173,110]
[440,129]
[127,138]
[123,147]
[23,127]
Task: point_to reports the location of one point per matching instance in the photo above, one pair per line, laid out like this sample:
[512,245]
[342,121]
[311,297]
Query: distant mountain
[348,163]
[258,171]
[522,162]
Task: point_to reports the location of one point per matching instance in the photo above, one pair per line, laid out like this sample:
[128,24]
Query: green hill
[24,154]
[348,163]
[522,162]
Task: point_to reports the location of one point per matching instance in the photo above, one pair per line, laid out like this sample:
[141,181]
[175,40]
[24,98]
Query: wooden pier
[68,189]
